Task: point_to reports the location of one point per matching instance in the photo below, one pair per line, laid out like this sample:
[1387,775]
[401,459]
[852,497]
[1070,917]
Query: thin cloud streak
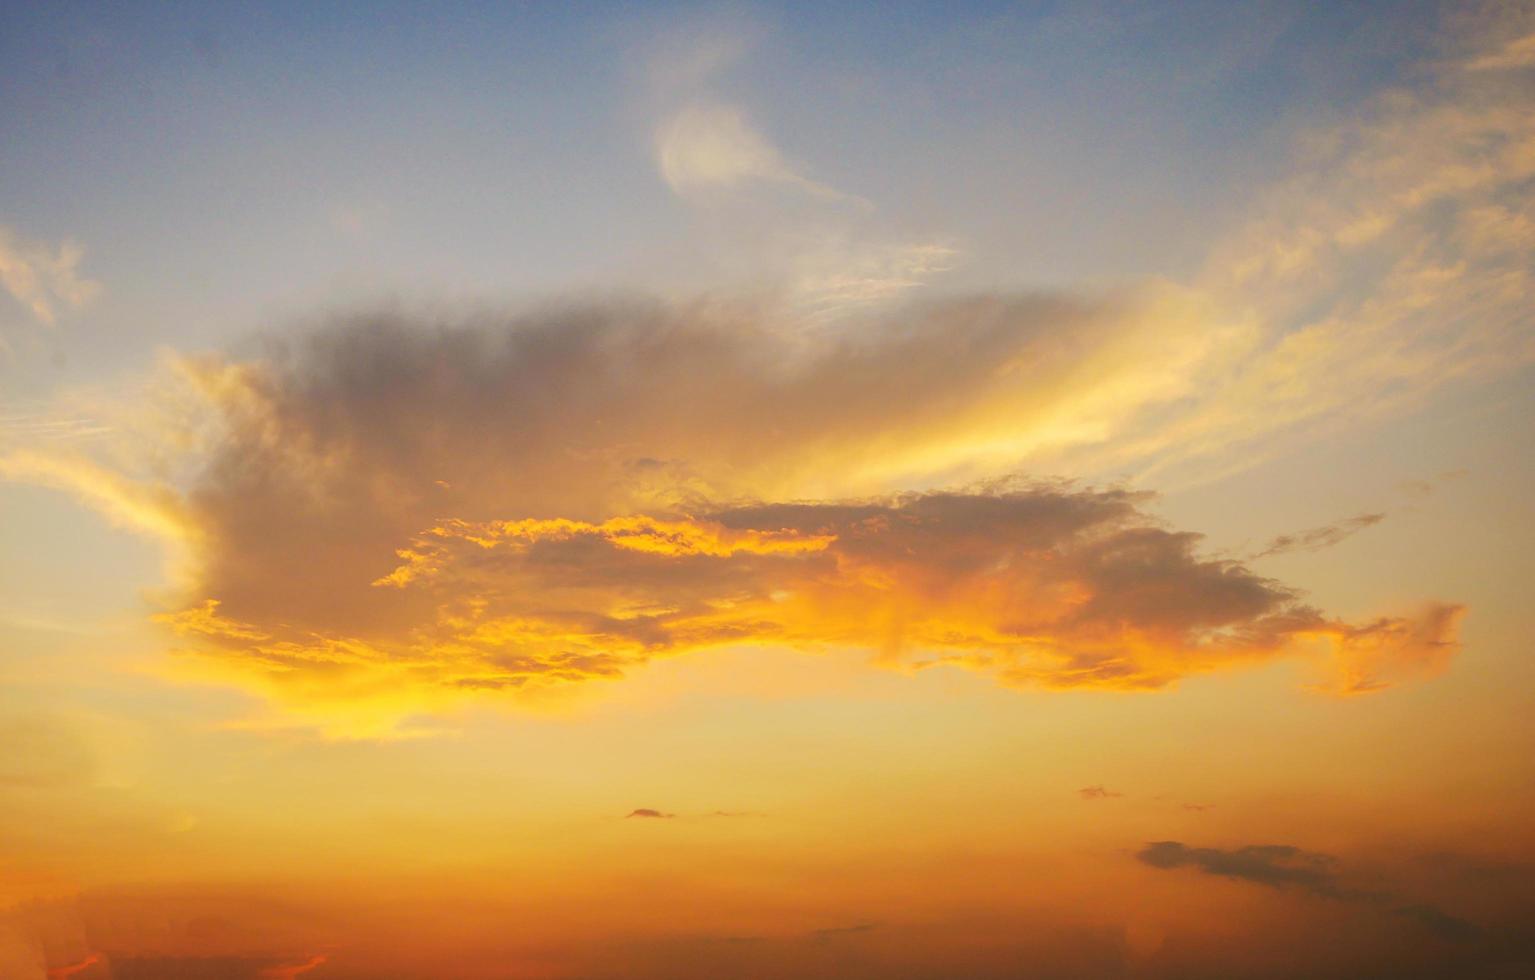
[1318,538]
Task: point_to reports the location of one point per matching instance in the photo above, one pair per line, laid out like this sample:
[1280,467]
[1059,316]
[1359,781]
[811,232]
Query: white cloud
[712,146]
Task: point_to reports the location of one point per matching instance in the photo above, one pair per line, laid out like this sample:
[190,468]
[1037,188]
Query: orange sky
[816,592]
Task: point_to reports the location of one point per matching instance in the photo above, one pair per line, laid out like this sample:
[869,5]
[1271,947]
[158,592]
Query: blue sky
[226,167]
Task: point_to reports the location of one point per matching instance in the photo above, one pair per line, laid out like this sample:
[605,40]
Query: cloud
[42,425]
[817,250]
[1318,538]
[1395,259]
[707,146]
[1097,793]
[1518,53]
[44,280]
[392,513]
[650,814]
[1041,587]
[389,516]
[841,278]
[1390,260]
[1275,865]
[1284,867]
[1376,655]
[128,503]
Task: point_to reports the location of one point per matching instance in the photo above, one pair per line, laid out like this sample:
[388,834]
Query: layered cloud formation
[1043,586]
[396,512]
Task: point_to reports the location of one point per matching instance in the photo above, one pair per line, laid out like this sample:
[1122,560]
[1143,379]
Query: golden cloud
[384,516]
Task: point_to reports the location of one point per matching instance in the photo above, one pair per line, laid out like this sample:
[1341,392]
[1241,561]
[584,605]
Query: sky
[1026,490]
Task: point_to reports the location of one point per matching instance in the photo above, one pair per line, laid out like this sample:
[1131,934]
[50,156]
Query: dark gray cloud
[1276,865]
[1285,867]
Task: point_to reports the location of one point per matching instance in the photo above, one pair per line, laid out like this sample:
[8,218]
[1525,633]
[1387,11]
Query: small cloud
[1098,793]
[708,146]
[651,814]
[1199,807]
[45,280]
[1318,538]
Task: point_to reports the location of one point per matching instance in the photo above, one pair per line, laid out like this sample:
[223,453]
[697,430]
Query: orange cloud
[1042,586]
[382,519]
[1374,656]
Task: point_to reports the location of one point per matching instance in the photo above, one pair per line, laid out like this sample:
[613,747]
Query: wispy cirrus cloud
[818,251]
[1393,262]
[1319,538]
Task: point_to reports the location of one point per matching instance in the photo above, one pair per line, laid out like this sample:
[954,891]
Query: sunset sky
[945,490]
